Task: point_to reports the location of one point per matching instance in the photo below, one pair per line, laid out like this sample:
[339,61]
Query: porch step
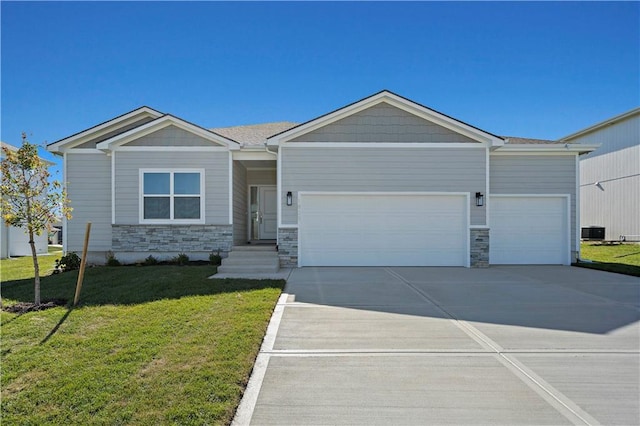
[255,247]
[251,260]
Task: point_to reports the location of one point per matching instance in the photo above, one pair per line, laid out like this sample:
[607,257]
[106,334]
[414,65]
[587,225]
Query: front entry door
[267,215]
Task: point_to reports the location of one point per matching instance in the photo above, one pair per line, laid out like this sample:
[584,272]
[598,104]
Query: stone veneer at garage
[288,247]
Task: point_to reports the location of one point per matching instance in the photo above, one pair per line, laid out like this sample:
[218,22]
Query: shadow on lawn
[126,285]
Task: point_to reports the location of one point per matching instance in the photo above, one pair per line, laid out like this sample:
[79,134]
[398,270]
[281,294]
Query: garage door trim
[567,198]
[465,195]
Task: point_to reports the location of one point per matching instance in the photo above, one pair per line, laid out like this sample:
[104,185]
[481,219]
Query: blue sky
[540,70]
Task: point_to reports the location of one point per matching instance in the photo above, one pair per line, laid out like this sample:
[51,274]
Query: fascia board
[559,148]
[100,129]
[600,125]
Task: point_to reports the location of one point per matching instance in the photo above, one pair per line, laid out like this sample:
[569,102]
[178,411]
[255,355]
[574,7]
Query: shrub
[215,258]
[111,259]
[150,261]
[68,262]
[181,259]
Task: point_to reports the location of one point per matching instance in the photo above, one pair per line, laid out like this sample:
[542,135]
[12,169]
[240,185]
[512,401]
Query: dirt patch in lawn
[24,307]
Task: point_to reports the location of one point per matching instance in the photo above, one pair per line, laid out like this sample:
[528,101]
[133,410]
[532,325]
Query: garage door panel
[382,230]
[529,230]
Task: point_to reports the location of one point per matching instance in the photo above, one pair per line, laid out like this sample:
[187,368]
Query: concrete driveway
[414,346]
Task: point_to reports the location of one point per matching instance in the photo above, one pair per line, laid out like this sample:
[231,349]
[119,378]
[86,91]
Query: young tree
[29,200]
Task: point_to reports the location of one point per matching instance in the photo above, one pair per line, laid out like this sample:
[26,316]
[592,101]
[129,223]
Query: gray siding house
[384,181]
[610,176]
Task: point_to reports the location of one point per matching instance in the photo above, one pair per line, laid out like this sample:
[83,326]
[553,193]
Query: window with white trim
[172,196]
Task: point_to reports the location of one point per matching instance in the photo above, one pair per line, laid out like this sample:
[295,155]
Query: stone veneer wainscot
[172,238]
[479,247]
[288,247]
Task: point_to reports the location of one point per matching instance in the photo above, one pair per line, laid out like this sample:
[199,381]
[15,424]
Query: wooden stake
[83,264]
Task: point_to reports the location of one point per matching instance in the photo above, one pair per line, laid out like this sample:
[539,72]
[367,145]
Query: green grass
[146,345]
[18,268]
[620,258]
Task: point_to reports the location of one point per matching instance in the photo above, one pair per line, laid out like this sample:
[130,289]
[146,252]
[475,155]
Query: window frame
[171,195]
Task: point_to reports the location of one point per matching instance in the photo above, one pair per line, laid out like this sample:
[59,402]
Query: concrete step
[246,269]
[252,254]
[254,248]
[257,261]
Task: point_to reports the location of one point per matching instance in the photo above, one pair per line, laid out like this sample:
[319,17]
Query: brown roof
[254,134]
[514,140]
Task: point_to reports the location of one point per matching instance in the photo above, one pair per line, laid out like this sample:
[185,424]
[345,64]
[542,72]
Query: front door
[264,220]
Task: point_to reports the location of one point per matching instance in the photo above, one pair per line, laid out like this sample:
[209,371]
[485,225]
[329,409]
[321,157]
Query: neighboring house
[610,176]
[15,241]
[382,181]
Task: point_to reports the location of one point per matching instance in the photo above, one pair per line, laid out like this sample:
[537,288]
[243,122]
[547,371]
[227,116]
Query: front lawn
[621,258]
[147,345]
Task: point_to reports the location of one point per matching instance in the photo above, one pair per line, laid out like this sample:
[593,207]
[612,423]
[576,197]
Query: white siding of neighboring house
[535,174]
[4,241]
[383,123]
[127,175]
[88,178]
[240,213]
[615,203]
[382,169]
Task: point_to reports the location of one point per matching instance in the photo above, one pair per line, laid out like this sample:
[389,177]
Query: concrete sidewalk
[414,346]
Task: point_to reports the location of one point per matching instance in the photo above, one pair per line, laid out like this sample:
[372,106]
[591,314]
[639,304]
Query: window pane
[156,208]
[186,183]
[156,183]
[186,208]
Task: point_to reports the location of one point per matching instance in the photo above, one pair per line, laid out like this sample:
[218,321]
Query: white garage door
[529,230]
[382,230]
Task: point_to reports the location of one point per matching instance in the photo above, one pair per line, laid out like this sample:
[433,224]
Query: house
[14,241]
[610,176]
[382,181]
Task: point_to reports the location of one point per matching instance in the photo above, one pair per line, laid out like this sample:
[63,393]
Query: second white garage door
[346,229]
[529,230]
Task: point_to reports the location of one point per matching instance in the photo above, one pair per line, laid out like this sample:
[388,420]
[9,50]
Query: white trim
[568,216]
[253,154]
[160,148]
[395,101]
[230,189]
[548,149]
[113,188]
[104,128]
[478,227]
[384,145]
[171,171]
[487,203]
[577,215]
[83,151]
[279,187]
[399,193]
[289,226]
[65,243]
[466,195]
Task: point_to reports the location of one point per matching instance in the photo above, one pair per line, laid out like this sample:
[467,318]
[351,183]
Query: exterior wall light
[479,199]
[289,198]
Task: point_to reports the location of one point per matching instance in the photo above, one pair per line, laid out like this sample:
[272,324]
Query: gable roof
[598,126]
[160,123]
[254,134]
[104,128]
[395,100]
